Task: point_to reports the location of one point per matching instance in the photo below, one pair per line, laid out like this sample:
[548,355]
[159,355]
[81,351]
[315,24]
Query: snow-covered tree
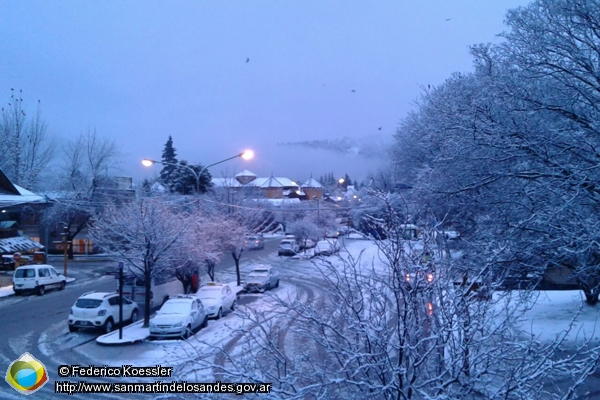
[507,154]
[26,149]
[169,157]
[373,333]
[147,233]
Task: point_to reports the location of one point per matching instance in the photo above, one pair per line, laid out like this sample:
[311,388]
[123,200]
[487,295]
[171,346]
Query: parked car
[217,298]
[7,263]
[344,230]
[288,247]
[37,278]
[332,234]
[326,247]
[261,278]
[100,310]
[255,242]
[179,317]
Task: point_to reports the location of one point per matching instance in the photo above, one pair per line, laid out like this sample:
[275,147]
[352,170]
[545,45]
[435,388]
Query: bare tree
[147,233]
[88,162]
[26,149]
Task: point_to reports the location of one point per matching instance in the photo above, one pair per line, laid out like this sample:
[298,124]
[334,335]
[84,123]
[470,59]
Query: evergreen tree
[347,181]
[169,156]
[184,181]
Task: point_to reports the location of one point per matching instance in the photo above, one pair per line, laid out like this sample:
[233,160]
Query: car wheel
[220,313]
[268,286]
[62,286]
[41,290]
[233,305]
[73,328]
[204,323]
[134,316]
[108,325]
[277,283]
[188,332]
[18,292]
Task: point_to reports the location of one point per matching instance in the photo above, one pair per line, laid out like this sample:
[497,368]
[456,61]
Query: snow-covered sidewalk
[131,334]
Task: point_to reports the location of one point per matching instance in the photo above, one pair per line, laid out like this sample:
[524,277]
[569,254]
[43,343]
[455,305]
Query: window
[53,272]
[113,301]
[25,273]
[88,303]
[44,273]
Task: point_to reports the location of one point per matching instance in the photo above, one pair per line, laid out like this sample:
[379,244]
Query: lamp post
[246,155]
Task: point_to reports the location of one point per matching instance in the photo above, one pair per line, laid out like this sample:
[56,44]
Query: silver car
[179,317]
[261,278]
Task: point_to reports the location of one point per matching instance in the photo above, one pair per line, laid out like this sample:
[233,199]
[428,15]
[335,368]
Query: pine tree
[184,181]
[169,156]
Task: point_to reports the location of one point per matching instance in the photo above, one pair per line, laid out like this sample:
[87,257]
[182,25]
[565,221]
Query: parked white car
[179,317]
[37,278]
[217,298]
[288,247]
[261,278]
[327,247]
[100,310]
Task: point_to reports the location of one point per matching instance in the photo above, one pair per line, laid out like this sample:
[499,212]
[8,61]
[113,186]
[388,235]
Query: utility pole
[65,244]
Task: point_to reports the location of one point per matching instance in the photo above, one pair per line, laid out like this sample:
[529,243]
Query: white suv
[100,310]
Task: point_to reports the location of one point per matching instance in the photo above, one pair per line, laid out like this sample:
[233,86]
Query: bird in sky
[247,60]
[353,91]
[379,128]
[448,19]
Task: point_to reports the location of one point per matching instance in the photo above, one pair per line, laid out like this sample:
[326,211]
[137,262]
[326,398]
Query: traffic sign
[17,256]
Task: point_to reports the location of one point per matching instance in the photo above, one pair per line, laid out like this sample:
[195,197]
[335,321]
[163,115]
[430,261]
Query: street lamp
[246,155]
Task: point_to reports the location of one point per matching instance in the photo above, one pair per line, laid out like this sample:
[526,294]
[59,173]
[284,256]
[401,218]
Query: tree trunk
[236,259]
[591,295]
[210,269]
[148,287]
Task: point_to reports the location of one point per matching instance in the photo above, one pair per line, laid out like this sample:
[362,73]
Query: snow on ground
[131,333]
[551,313]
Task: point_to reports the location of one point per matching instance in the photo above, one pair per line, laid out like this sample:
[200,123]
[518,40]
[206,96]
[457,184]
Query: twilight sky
[220,77]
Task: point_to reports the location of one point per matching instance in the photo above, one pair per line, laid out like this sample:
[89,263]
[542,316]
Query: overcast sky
[224,76]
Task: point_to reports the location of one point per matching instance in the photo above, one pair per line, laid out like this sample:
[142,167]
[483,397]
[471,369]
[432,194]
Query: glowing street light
[246,155]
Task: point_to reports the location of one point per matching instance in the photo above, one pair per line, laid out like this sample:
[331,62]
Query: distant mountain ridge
[371,147]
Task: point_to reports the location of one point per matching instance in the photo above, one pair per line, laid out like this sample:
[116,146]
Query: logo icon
[26,374]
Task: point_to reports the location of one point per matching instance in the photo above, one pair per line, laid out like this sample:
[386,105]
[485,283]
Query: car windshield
[88,303]
[209,293]
[175,307]
[25,273]
[259,272]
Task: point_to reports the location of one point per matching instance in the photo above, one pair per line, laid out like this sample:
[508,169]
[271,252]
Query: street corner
[132,334]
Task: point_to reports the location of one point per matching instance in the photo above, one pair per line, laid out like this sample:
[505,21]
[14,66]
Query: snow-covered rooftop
[246,173]
[312,183]
[18,243]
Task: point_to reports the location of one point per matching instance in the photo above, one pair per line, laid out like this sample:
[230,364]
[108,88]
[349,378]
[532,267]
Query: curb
[100,339]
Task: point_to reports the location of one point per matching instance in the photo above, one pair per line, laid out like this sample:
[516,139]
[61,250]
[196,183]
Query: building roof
[226,182]
[11,194]
[18,243]
[312,183]
[246,173]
